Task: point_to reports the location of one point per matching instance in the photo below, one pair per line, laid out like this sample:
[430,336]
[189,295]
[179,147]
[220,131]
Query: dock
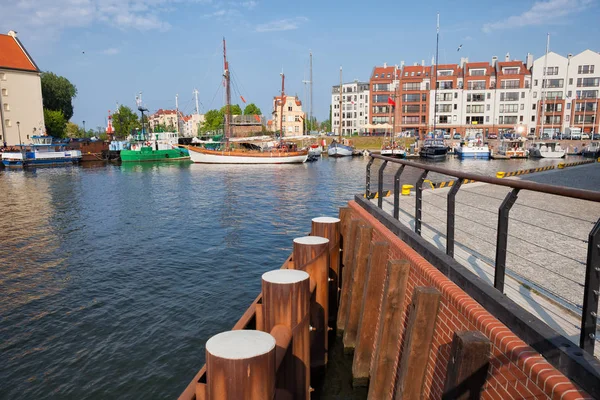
[417,315]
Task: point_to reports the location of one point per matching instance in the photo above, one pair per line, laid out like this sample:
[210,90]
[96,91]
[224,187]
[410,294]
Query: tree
[72,130]
[213,120]
[252,109]
[125,121]
[55,123]
[235,109]
[58,94]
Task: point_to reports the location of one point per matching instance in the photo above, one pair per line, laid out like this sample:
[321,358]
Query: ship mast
[340,128]
[544,86]
[281,108]
[227,96]
[311,95]
[437,45]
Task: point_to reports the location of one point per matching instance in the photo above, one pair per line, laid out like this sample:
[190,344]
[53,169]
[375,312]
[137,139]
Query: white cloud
[111,51]
[56,15]
[286,24]
[542,12]
[249,4]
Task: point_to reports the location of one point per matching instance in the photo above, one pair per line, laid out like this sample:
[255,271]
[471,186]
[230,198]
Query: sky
[113,49]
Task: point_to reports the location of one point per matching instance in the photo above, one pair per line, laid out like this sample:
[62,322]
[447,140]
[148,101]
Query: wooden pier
[411,332]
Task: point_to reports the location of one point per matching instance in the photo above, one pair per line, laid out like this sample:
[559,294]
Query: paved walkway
[547,246]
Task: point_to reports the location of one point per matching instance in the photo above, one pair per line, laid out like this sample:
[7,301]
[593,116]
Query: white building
[190,125]
[355,107]
[21,106]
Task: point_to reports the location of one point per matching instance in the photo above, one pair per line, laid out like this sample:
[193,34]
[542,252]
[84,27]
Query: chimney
[529,61]
[507,57]
[415,64]
[402,64]
[432,60]
[463,61]
[384,65]
[570,55]
[12,33]
[494,59]
[423,62]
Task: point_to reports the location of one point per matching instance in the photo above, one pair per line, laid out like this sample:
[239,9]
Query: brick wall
[517,371]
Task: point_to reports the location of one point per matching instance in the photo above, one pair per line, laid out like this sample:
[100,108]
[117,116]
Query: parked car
[596,136]
[585,136]
[446,136]
[457,136]
[492,136]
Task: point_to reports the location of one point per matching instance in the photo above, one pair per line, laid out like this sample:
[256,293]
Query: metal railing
[591,285]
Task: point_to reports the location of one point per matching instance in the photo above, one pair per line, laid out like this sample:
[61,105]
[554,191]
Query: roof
[14,56]
[504,64]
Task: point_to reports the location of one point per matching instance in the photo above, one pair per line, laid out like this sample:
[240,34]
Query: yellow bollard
[561,165]
[500,174]
[598,159]
[406,190]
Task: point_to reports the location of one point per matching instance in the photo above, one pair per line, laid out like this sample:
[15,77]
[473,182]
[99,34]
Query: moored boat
[162,148]
[546,150]
[337,149]
[41,153]
[513,148]
[434,149]
[592,150]
[473,148]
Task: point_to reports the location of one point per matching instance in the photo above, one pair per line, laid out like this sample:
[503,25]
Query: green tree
[213,120]
[124,121]
[252,109]
[55,122]
[73,130]
[58,94]
[235,109]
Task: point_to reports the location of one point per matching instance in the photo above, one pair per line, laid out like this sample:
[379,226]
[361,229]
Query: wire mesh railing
[545,237]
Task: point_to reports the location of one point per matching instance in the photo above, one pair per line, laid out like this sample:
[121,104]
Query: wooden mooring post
[330,228]
[286,301]
[311,254]
[346,273]
[468,366]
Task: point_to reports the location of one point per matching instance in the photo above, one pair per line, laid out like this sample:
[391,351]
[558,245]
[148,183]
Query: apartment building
[293,116]
[21,106]
[355,107]
[478,98]
[167,118]
[190,125]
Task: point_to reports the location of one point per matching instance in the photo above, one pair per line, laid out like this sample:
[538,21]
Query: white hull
[393,153]
[339,152]
[223,158]
[315,151]
[547,154]
[480,152]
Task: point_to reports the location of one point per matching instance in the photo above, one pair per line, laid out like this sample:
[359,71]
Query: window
[567,117]
[520,118]
[445,72]
[534,95]
[410,120]
[509,108]
[533,118]
[475,108]
[553,95]
[444,119]
[8,123]
[585,107]
[549,108]
[509,84]
[456,95]
[588,82]
[569,94]
[424,97]
[587,94]
[585,69]
[376,75]
[444,107]
[522,95]
[579,119]
[455,106]
[406,74]
[570,81]
[509,96]
[290,118]
[476,120]
[476,85]
[409,98]
[411,86]
[290,128]
[488,96]
[6,107]
[535,82]
[2,76]
[487,119]
[568,106]
[475,97]
[444,85]
[477,72]
[380,109]
[512,119]
[454,118]
[411,109]
[552,119]
[4,92]
[487,107]
[533,106]
[290,108]
[444,96]
[553,83]
[511,70]
[296,129]
[522,106]
[380,98]
[381,87]
[551,71]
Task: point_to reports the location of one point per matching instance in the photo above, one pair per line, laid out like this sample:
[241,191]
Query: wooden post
[330,228]
[240,365]
[383,371]
[468,365]
[286,299]
[369,313]
[259,318]
[361,260]
[311,254]
[417,343]
[346,274]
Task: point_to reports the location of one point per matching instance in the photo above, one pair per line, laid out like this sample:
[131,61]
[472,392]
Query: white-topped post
[240,365]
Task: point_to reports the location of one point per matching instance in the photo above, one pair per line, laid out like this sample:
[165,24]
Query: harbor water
[114,277]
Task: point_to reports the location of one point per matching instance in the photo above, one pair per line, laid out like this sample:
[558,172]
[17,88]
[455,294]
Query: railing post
[591,292]
[368,183]
[240,365]
[380,184]
[286,301]
[419,202]
[397,191]
[450,217]
[502,239]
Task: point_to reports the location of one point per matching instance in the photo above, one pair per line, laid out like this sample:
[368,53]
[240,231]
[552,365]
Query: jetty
[418,309]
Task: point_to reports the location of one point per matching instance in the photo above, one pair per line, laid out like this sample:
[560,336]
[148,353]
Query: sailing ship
[228,154]
[341,148]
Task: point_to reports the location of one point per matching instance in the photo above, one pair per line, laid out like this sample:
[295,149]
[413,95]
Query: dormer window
[477,72]
[376,75]
[511,71]
[445,72]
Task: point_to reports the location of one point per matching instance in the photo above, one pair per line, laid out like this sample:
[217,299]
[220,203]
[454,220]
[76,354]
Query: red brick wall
[517,370]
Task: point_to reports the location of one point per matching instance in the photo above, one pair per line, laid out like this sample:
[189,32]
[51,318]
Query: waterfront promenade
[547,240]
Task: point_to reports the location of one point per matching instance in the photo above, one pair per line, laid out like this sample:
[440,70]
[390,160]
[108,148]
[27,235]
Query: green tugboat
[163,147]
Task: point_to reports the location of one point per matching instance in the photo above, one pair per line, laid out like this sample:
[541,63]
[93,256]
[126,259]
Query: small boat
[162,148]
[592,150]
[42,153]
[434,149]
[337,149]
[393,151]
[546,150]
[513,148]
[314,150]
